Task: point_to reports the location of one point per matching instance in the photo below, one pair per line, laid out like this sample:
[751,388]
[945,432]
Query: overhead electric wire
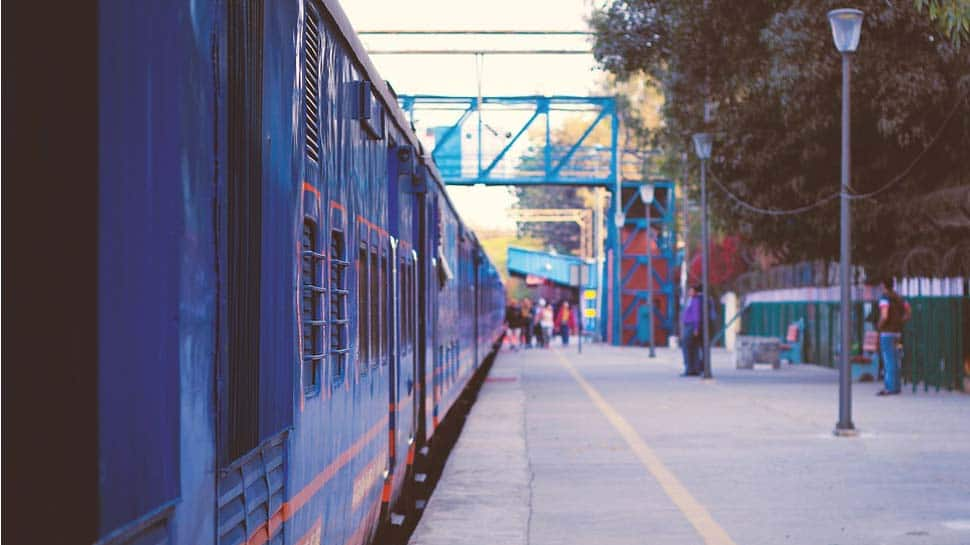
[480,52]
[475,32]
[481,33]
[768,211]
[914,162]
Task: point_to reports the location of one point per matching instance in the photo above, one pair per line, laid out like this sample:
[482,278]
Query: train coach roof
[389,99]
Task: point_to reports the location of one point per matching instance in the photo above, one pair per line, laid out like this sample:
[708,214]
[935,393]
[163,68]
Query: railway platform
[609,447]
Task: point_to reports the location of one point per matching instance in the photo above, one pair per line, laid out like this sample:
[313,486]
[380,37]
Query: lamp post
[685,261]
[619,219]
[702,146]
[646,195]
[846,28]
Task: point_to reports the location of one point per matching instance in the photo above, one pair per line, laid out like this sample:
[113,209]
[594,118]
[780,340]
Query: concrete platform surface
[610,447]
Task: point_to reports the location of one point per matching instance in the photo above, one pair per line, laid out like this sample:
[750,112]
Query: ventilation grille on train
[311,84]
[251,496]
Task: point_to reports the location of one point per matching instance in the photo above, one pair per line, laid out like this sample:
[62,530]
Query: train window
[405,306]
[385,305]
[409,307]
[339,323]
[440,367]
[363,323]
[412,303]
[311,308]
[311,83]
[415,305]
[375,323]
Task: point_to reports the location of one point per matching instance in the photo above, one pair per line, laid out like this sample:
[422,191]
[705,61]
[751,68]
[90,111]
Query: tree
[560,237]
[769,74]
[951,16]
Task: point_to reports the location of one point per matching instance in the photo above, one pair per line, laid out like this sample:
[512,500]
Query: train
[288,303]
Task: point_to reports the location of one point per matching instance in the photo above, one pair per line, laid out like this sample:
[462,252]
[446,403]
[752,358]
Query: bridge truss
[583,217]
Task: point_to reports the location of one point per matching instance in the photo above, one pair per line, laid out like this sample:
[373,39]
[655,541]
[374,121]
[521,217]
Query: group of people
[527,320]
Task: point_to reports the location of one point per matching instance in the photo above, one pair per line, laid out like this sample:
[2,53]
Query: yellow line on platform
[702,521]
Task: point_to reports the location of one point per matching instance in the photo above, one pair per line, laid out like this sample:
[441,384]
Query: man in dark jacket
[894,311]
[692,341]
[513,321]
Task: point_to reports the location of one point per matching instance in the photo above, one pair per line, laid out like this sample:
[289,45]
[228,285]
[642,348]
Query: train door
[414,316]
[392,314]
[423,267]
[436,356]
[476,290]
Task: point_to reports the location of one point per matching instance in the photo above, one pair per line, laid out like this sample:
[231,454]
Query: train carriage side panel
[138,307]
[158,272]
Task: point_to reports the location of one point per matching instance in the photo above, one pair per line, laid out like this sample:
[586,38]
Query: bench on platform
[792,348]
[750,350]
[866,363]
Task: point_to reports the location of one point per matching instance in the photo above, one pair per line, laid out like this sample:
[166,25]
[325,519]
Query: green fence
[936,341]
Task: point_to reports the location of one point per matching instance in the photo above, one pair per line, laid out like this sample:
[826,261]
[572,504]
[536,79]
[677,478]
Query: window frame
[363,308]
[384,286]
[375,306]
[338,309]
[318,332]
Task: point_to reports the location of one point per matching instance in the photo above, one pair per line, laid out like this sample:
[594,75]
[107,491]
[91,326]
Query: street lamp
[619,220]
[686,255]
[702,146]
[616,313]
[646,195]
[846,28]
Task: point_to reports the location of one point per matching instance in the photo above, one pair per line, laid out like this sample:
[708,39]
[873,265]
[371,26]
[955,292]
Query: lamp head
[702,145]
[646,193]
[619,219]
[846,29]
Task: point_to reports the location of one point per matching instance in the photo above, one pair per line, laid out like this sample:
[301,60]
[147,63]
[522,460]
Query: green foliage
[561,237]
[496,247]
[951,16]
[768,74]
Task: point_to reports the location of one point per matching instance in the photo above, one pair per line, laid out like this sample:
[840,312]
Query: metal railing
[936,349]
[798,275]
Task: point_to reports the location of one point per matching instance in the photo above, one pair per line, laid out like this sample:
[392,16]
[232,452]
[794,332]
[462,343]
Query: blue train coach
[287,303]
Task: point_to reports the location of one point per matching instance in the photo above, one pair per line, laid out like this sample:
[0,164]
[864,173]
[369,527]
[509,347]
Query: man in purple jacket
[691,343]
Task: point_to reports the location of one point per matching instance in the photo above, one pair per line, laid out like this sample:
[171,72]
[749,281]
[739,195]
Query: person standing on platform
[894,311]
[513,321]
[527,322]
[565,321]
[537,322]
[692,341]
[548,321]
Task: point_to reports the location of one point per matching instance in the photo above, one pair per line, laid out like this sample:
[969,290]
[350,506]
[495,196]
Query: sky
[482,208]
